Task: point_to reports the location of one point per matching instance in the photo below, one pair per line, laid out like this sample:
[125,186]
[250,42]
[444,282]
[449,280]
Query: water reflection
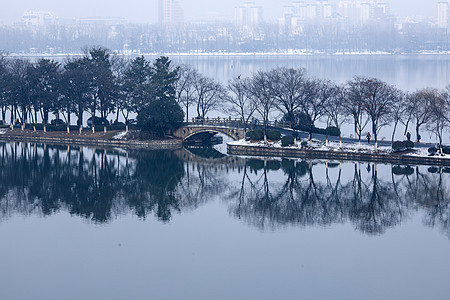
[99,185]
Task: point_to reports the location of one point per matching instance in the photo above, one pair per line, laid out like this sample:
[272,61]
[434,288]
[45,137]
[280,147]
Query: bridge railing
[236,123]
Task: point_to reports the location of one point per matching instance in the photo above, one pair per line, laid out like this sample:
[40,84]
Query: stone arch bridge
[234,128]
[188,131]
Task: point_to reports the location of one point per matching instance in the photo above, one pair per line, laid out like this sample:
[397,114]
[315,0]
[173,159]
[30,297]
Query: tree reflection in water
[99,184]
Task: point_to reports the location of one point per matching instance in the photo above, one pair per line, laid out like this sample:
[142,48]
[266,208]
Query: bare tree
[239,100]
[407,114]
[400,111]
[438,113]
[185,87]
[379,98]
[3,87]
[354,105]
[290,88]
[335,110]
[209,94]
[262,97]
[319,93]
[420,104]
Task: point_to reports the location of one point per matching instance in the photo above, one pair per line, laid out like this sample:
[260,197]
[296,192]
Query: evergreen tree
[163,79]
[161,116]
[137,84]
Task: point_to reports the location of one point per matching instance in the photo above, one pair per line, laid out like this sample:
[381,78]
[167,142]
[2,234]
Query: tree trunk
[93,121]
[375,135]
[3,115]
[393,132]
[45,116]
[265,131]
[406,129]
[80,116]
[417,129]
[68,116]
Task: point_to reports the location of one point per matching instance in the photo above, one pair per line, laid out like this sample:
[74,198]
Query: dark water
[111,224]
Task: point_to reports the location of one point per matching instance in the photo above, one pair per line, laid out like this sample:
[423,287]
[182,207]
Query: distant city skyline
[137,11]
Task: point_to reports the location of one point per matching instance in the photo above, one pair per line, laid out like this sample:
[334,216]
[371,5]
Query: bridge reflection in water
[101,184]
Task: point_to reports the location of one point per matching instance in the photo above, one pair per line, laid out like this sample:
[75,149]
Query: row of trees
[100,82]
[362,101]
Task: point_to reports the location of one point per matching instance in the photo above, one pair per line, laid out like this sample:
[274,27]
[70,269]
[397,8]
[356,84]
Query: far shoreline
[297,53]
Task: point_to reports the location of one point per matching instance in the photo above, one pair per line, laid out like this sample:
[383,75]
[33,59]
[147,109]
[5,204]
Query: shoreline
[89,139]
[398,158]
[298,53]
[108,140]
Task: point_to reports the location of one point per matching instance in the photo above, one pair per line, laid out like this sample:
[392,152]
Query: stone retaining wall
[337,155]
[169,144]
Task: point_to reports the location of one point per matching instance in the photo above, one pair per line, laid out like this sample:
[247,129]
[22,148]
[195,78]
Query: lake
[95,223]
[406,72]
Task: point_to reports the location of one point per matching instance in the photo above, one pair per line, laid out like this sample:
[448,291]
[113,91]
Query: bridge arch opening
[232,135]
[188,132]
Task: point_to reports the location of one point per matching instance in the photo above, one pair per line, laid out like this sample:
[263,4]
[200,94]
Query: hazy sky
[146,11]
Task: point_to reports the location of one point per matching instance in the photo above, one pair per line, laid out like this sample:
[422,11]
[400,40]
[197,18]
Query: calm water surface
[407,72]
[109,224]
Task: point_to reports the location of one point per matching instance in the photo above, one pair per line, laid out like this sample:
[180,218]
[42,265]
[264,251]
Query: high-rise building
[443,14]
[170,13]
[307,11]
[362,11]
[365,9]
[248,14]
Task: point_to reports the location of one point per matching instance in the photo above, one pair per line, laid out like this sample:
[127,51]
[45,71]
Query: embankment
[393,158]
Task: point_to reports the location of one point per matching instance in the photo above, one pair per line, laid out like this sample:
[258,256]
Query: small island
[138,103]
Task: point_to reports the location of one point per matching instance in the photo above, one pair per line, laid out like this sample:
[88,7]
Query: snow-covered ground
[3,131]
[318,145]
[334,146]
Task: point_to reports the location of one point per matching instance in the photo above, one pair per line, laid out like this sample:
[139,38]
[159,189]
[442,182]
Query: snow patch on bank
[120,135]
[318,145]
[321,145]
[3,131]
